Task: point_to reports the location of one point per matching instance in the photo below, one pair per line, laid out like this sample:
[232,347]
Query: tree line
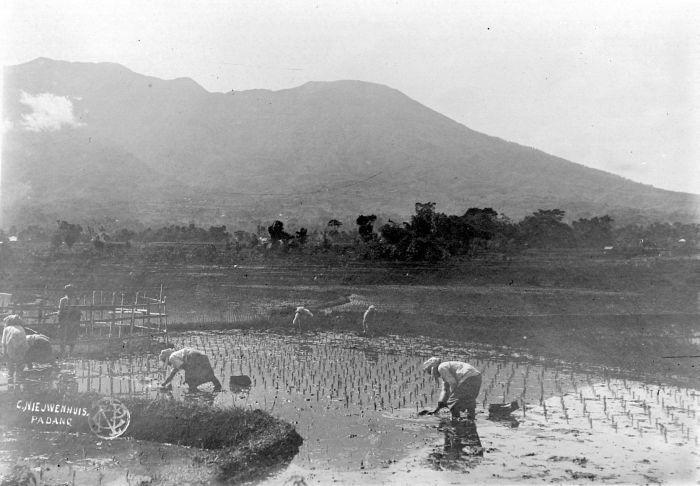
[429,235]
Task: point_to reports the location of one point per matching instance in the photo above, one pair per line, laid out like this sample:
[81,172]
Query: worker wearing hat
[365,318]
[194,363]
[461,383]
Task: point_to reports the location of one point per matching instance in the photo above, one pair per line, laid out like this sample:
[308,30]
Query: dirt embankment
[238,444]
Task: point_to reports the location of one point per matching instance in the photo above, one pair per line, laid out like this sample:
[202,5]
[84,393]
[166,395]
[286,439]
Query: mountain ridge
[294,140]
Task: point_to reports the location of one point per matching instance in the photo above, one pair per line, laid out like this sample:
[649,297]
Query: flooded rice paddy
[355,400]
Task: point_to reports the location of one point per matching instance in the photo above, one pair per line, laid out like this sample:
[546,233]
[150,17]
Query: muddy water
[355,402]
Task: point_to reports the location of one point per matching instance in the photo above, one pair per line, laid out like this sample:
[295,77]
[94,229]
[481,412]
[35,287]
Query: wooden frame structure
[103,314]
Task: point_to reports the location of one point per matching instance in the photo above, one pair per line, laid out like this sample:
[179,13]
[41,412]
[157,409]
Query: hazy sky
[612,85]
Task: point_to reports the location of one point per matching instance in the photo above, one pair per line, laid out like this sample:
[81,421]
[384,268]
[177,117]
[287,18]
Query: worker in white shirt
[195,364]
[297,316]
[460,386]
[366,319]
[14,346]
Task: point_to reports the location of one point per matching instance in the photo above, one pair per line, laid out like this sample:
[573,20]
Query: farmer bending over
[196,365]
[297,316]
[365,318]
[14,345]
[38,350]
[460,386]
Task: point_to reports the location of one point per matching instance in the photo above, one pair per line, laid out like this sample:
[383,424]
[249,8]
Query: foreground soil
[205,444]
[538,451]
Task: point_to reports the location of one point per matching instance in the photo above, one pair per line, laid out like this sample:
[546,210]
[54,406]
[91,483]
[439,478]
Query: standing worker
[68,319]
[297,316]
[195,364]
[14,345]
[460,386]
[365,318]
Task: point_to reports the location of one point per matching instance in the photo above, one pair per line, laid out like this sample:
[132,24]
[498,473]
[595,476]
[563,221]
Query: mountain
[87,140]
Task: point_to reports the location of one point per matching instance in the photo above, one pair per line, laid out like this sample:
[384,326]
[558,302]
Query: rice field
[355,402]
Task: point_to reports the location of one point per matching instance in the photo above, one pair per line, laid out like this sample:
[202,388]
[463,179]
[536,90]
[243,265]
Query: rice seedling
[296,377]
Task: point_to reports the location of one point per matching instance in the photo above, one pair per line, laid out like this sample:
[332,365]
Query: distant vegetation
[428,236]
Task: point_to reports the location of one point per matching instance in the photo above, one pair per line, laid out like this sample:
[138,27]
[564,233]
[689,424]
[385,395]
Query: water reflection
[201,396]
[462,448]
[66,383]
[37,375]
[44,378]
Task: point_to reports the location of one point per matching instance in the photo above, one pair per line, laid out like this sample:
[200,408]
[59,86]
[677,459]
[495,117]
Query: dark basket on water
[503,409]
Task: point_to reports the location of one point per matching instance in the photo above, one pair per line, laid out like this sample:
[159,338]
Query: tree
[67,233]
[545,228]
[395,239]
[302,235]
[422,223]
[334,226]
[366,227]
[393,233]
[429,236]
[277,233]
[596,231]
[484,221]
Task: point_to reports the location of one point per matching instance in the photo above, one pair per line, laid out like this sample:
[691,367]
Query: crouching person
[460,386]
[195,364]
[39,350]
[14,346]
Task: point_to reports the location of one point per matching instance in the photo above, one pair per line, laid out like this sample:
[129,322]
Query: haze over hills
[87,140]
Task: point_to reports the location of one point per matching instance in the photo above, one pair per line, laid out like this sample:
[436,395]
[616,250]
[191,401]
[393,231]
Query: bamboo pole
[160,310]
[165,318]
[133,312]
[148,311]
[92,315]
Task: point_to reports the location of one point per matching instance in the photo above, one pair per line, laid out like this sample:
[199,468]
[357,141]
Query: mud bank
[228,444]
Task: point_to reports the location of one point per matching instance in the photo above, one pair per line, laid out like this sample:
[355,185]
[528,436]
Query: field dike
[241,443]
